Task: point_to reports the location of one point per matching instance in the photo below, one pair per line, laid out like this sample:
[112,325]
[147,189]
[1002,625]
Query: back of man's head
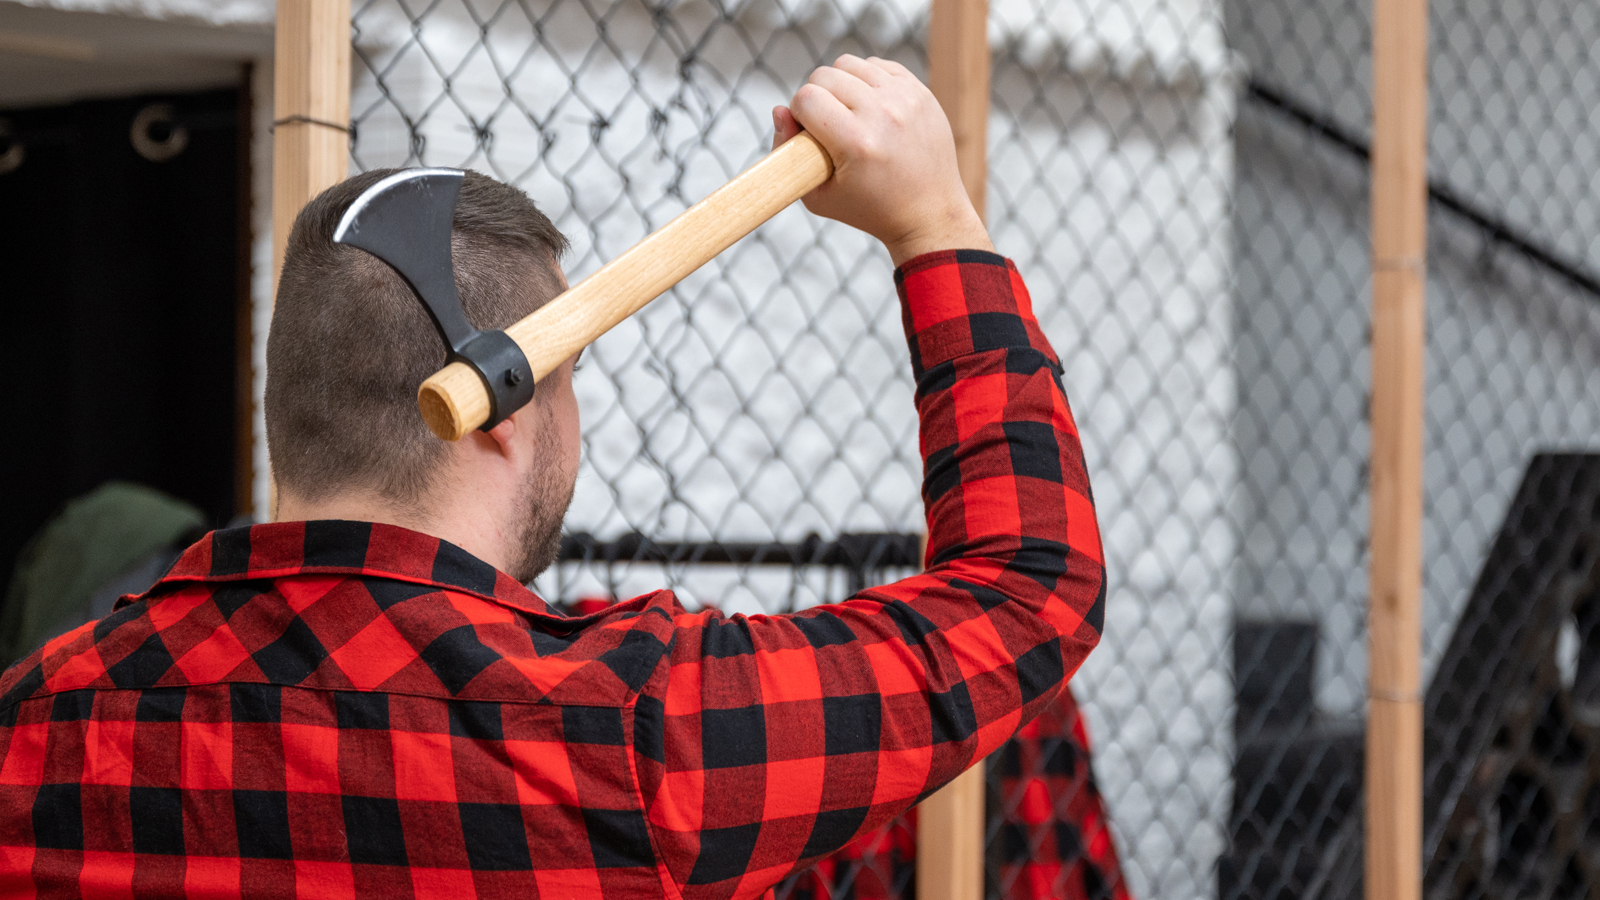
[350,344]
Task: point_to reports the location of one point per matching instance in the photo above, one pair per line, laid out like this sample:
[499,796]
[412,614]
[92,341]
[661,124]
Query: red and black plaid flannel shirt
[337,708]
[1054,842]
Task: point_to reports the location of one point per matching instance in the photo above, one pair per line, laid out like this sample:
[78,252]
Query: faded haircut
[350,344]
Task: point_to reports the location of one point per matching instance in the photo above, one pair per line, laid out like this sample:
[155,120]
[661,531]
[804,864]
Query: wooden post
[950,824]
[1399,278]
[958,74]
[311,117]
[311,141]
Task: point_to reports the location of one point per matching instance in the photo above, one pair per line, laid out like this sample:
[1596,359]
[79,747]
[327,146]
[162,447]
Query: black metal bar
[1313,121]
[1494,228]
[863,550]
[857,553]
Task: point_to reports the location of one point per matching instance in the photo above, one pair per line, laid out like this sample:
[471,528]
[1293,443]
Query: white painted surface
[52,55]
[255,14]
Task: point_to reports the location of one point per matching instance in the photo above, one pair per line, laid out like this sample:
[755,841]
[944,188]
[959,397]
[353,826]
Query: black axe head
[405,220]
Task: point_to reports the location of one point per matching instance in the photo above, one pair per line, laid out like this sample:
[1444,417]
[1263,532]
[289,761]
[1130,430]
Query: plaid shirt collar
[356,549]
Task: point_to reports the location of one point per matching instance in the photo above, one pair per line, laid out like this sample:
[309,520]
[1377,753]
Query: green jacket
[107,538]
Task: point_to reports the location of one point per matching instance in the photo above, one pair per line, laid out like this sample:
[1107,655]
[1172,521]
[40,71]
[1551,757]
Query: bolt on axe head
[405,220]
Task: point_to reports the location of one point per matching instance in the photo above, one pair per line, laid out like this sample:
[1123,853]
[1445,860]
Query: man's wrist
[955,230]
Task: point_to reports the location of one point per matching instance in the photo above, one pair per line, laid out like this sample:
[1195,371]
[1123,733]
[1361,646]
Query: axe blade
[405,220]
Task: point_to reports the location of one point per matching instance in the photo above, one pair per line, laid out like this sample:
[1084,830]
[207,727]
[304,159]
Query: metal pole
[1399,278]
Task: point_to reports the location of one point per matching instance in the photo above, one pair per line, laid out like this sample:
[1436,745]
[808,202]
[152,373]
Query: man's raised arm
[765,742]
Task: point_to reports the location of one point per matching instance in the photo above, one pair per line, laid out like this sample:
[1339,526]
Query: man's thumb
[784,125]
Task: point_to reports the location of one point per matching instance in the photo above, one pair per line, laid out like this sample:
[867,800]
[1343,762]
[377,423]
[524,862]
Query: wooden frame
[958,74]
[311,120]
[950,824]
[1399,281]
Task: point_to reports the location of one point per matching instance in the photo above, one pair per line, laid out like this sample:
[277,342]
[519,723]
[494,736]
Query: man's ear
[503,434]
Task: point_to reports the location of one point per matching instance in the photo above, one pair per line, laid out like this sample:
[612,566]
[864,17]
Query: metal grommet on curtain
[157,134]
[12,152]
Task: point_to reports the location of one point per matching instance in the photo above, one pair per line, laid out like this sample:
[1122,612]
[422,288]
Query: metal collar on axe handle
[463,395]
[405,220]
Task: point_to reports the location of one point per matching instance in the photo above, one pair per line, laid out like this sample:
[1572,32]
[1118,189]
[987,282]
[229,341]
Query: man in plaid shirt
[363,699]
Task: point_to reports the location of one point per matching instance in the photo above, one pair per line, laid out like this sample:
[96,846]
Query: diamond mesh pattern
[1176,181]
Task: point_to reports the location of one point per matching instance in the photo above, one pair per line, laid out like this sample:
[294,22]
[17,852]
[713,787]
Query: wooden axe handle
[454,401]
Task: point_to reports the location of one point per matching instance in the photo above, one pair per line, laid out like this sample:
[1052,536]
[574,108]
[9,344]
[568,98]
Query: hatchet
[405,221]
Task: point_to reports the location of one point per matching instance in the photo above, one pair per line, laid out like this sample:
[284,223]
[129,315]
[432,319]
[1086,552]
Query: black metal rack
[858,553]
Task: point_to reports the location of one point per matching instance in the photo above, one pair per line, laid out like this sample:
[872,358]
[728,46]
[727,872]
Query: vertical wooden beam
[950,824]
[958,74]
[1399,279]
[950,840]
[311,145]
[311,116]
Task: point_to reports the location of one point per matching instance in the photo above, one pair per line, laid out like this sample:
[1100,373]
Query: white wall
[243,14]
[58,52]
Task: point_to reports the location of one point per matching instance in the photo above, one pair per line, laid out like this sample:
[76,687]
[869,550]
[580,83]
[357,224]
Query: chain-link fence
[1513,330]
[1183,186]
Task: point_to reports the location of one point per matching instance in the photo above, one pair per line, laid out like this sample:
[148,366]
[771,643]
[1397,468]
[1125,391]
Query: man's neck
[477,534]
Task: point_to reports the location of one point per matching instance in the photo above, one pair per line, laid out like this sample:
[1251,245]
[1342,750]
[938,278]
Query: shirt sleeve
[766,742]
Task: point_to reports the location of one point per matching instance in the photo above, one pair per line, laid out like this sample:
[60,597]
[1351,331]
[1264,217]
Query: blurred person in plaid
[1053,842]
[362,698]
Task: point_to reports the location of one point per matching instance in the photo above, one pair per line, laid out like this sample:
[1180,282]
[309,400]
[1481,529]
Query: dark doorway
[121,270]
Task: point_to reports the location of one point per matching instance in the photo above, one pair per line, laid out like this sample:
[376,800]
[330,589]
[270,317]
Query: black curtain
[119,287]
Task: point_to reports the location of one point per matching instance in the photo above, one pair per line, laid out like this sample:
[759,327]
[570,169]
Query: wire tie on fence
[291,120]
[1399,264]
[1395,696]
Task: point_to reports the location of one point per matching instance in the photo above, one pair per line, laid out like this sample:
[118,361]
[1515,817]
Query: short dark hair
[350,345]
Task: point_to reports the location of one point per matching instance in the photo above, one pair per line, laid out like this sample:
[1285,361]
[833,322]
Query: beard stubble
[544,501]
